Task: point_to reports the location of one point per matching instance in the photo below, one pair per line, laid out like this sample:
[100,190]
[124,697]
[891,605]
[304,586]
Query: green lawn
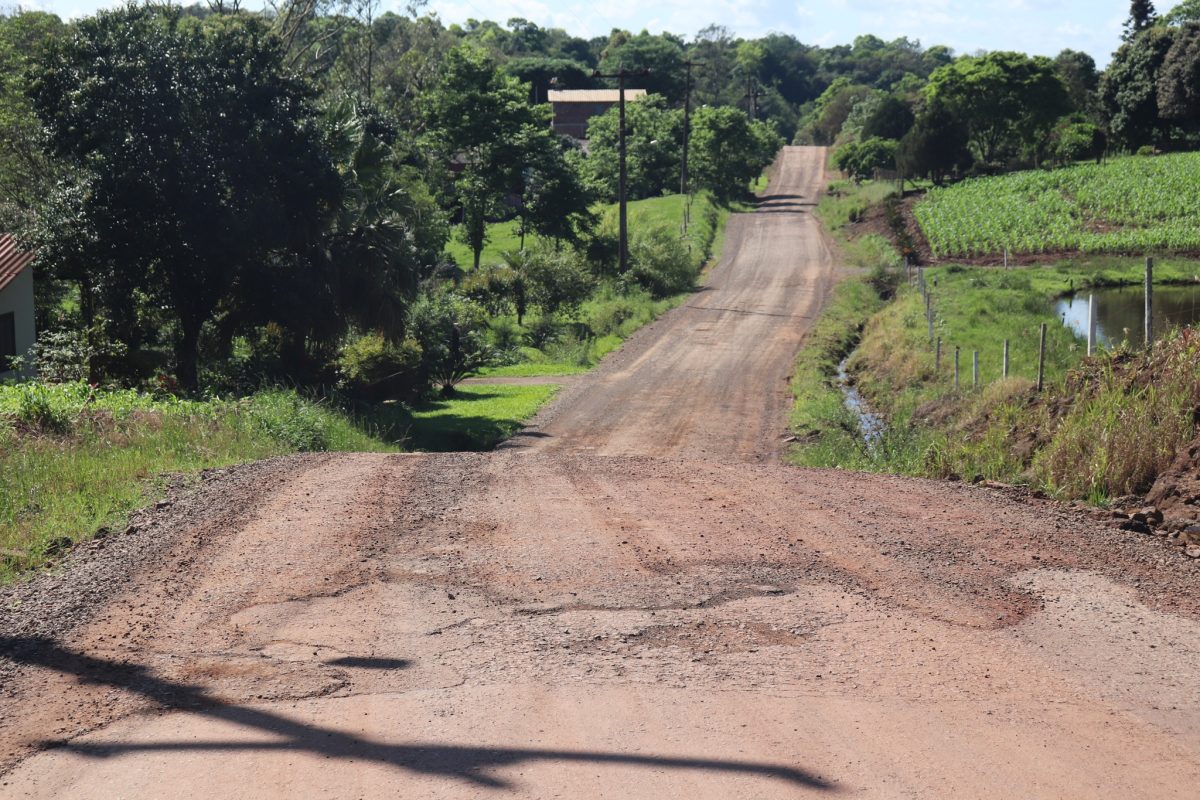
[476,418]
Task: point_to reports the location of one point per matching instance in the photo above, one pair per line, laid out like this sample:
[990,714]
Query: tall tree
[1141,17]
[1129,89]
[729,150]
[194,156]
[1178,84]
[1009,100]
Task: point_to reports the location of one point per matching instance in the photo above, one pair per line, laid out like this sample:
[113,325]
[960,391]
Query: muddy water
[870,424]
[1120,312]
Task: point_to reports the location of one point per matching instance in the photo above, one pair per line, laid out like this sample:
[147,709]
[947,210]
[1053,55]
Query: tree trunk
[187,355]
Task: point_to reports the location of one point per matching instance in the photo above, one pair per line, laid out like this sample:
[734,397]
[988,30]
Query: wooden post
[1091,324]
[929,315]
[975,369]
[937,358]
[1005,370]
[1041,358]
[955,366]
[1149,302]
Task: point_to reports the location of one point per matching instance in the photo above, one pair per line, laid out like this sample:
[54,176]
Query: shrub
[558,279]
[452,334]
[285,416]
[37,407]
[371,366]
[659,262]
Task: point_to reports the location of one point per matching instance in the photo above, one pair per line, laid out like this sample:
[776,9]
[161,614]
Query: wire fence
[1036,352]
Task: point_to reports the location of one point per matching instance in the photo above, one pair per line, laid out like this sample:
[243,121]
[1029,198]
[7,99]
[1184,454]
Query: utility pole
[753,92]
[687,132]
[622,212]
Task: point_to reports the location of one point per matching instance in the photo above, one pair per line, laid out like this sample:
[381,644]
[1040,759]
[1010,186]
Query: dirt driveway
[633,600]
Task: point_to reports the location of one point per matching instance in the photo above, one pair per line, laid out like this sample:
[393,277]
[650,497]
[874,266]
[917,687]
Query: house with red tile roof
[17,330]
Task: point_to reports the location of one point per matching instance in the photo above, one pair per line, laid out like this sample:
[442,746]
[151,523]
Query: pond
[1120,312]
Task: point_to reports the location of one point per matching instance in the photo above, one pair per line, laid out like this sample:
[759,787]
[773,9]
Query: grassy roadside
[73,461]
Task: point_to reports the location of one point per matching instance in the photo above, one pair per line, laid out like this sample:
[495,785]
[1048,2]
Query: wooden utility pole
[687,133]
[753,92]
[1149,302]
[622,211]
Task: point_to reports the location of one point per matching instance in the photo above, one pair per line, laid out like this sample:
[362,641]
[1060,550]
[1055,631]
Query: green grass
[1126,205]
[74,460]
[845,201]
[476,417]
[533,369]
[666,211]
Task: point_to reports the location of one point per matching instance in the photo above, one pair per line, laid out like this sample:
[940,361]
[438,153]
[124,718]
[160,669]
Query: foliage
[1178,84]
[654,138]
[1127,205]
[452,334]
[195,158]
[660,263]
[936,146]
[1076,139]
[860,160]
[372,366]
[1129,88]
[729,150]
[891,118]
[1009,101]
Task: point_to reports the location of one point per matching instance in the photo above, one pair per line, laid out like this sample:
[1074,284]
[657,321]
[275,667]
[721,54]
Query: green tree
[729,150]
[1079,75]
[26,173]
[1009,100]
[481,116]
[1129,89]
[195,156]
[860,160]
[661,55]
[555,202]
[1178,83]
[1141,17]
[891,119]
[1187,11]
[654,137]
[936,146]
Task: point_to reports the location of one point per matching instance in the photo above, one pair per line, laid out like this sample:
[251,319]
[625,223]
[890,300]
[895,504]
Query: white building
[17,330]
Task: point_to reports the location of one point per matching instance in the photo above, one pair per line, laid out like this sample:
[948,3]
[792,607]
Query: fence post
[937,358]
[1041,358]
[1005,369]
[1149,302]
[955,366]
[1091,324]
[975,370]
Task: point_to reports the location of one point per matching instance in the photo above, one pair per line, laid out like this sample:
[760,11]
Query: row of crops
[1127,205]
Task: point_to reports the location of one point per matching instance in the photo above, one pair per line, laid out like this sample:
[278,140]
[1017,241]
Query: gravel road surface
[633,599]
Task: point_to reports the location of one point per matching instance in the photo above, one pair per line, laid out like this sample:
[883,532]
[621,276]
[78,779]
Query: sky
[1043,27]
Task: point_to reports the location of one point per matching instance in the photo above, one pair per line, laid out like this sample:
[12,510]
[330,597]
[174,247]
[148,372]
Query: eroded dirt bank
[636,602]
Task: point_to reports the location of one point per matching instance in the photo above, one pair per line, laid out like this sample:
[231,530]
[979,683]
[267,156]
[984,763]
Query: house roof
[593,95]
[12,260]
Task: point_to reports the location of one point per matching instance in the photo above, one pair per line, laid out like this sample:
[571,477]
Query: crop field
[1128,205]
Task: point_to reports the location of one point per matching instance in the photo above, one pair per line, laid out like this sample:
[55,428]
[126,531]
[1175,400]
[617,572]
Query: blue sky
[1033,26]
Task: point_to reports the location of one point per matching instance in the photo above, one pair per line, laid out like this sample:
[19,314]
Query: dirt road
[636,601]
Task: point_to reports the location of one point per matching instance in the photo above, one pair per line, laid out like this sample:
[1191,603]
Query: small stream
[871,425]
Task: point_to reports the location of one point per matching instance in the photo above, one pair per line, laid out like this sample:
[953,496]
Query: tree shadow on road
[454,761]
